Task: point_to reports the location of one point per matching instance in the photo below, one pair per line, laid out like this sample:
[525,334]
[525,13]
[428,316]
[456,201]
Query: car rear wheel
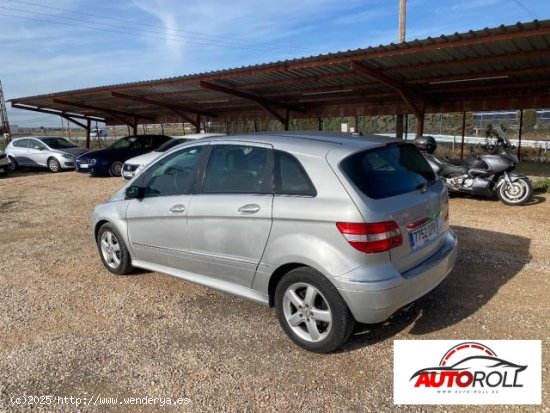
[113,251]
[54,165]
[115,169]
[312,312]
[12,166]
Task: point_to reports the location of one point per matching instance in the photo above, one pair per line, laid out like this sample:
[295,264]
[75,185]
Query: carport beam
[198,123]
[420,125]
[463,133]
[520,132]
[399,126]
[89,126]
[86,126]
[287,119]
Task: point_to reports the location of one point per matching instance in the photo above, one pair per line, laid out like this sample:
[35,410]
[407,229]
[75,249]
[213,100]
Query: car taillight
[371,237]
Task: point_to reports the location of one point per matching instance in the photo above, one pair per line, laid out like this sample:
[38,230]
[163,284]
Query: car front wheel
[113,251]
[116,169]
[312,312]
[53,165]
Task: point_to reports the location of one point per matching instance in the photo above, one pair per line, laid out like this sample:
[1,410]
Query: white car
[134,166]
[4,164]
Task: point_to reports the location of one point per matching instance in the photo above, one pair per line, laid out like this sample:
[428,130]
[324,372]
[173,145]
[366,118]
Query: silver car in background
[135,165]
[5,164]
[52,152]
[327,228]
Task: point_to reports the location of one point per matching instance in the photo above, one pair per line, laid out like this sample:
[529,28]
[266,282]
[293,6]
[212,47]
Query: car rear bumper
[374,302]
[4,166]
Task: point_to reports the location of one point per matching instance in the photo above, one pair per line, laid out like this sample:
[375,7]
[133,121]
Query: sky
[56,45]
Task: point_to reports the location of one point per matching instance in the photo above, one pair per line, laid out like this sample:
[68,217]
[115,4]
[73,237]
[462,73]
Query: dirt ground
[68,327]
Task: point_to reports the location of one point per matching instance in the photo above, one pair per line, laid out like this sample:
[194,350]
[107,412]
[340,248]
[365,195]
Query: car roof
[36,137]
[192,136]
[314,143]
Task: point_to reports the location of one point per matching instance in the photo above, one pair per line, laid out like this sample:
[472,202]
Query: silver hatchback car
[52,152]
[327,228]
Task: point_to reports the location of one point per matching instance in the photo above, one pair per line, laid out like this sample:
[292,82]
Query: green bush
[542,185]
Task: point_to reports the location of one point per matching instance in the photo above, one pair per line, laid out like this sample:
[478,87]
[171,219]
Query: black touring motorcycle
[482,174]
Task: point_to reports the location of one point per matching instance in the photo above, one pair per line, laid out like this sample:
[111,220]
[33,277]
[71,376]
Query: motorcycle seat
[454,170]
[448,168]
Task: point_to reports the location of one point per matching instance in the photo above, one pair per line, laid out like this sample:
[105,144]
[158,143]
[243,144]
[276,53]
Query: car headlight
[88,161]
[139,169]
[67,156]
[129,167]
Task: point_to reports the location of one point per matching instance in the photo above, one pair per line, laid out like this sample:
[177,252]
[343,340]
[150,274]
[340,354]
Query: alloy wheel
[307,312]
[110,249]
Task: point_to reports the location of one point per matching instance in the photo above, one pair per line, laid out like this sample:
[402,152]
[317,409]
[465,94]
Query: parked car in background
[109,161]
[52,152]
[326,228]
[4,164]
[135,165]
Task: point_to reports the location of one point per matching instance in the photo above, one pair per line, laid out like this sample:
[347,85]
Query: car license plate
[423,234]
[127,174]
[83,166]
[1,169]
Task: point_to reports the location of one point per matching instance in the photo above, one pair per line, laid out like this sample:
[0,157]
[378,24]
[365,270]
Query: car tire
[12,166]
[54,165]
[312,312]
[115,169]
[113,251]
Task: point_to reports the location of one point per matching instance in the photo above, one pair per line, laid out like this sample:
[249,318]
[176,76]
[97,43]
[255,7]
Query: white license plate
[1,169]
[423,234]
[127,174]
[83,166]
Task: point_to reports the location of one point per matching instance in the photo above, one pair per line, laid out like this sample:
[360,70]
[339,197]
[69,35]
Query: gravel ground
[70,328]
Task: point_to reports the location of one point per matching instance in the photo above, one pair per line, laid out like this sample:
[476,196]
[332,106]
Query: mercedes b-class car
[327,228]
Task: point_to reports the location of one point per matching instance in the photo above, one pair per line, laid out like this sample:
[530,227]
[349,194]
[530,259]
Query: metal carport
[506,67]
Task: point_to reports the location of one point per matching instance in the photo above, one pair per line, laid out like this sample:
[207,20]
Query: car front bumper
[99,168]
[374,302]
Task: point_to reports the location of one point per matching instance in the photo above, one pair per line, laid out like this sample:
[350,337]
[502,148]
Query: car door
[157,223]
[230,218]
[19,151]
[38,153]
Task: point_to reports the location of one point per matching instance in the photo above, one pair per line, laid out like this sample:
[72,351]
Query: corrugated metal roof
[492,68]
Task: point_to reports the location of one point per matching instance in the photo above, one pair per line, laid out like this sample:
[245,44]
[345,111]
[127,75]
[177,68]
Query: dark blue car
[109,161]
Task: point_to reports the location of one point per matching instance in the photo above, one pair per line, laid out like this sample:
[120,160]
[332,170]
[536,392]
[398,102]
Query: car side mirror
[135,192]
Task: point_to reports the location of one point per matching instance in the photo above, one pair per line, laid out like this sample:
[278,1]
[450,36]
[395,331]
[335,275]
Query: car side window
[290,176]
[34,144]
[146,143]
[21,143]
[172,175]
[237,169]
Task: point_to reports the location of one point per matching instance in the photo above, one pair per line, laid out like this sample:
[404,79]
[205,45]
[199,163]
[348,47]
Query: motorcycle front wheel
[518,193]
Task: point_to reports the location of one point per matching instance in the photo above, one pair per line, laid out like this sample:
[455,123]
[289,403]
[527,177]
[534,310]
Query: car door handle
[177,209]
[249,209]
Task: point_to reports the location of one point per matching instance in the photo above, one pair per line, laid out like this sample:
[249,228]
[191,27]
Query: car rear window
[388,171]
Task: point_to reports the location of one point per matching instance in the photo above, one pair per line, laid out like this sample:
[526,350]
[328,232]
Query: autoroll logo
[468,372]
[470,365]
